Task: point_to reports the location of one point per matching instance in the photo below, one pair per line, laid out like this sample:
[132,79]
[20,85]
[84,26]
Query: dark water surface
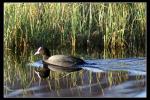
[99,78]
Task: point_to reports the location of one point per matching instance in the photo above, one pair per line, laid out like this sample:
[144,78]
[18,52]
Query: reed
[15,74]
[112,25]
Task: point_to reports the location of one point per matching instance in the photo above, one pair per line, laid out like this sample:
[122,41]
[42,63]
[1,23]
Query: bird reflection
[42,73]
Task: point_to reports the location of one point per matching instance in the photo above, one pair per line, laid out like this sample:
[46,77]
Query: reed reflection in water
[21,81]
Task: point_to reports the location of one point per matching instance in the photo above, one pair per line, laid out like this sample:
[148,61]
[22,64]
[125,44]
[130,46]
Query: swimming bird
[60,63]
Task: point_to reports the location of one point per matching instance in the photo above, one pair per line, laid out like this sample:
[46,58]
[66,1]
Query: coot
[61,63]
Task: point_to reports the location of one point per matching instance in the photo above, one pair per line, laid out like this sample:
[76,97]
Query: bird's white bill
[37,53]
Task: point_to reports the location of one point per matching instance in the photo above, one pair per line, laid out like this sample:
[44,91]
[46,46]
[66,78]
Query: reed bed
[74,26]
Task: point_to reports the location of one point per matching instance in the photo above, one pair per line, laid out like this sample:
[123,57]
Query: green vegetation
[76,26]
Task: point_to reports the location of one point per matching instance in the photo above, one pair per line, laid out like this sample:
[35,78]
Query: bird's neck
[45,66]
[45,57]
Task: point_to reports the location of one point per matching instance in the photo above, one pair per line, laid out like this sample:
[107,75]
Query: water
[99,78]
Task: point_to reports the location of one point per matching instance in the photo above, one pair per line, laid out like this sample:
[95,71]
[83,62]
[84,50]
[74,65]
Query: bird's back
[65,61]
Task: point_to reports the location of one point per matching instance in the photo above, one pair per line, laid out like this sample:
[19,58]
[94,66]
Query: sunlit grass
[112,25]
